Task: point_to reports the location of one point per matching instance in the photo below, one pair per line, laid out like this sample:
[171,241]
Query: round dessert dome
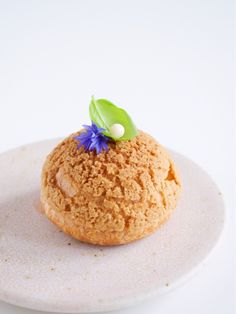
[117,196]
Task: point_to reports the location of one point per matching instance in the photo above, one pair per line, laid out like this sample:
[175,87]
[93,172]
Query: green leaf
[104,114]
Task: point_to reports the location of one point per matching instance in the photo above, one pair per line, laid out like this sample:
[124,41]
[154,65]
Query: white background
[168,63]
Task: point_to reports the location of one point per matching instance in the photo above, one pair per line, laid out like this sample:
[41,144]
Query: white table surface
[169,63]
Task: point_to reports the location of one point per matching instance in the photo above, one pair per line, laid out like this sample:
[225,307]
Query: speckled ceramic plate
[42,268]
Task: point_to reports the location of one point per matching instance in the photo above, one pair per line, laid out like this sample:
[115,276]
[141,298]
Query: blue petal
[80,137]
[84,144]
[105,146]
[87,127]
[96,129]
[92,145]
[98,149]
[93,139]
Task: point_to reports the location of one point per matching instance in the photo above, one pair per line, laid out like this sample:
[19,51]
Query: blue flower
[93,139]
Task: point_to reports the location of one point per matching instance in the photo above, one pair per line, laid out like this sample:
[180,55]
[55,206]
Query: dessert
[109,183]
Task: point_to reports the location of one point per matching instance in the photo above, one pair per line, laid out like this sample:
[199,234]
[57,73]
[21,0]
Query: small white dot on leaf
[117,130]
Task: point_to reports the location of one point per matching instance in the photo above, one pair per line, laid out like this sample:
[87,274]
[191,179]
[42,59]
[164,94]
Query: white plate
[42,268]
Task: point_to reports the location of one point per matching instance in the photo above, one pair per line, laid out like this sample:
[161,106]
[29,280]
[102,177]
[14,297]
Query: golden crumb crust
[115,197]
